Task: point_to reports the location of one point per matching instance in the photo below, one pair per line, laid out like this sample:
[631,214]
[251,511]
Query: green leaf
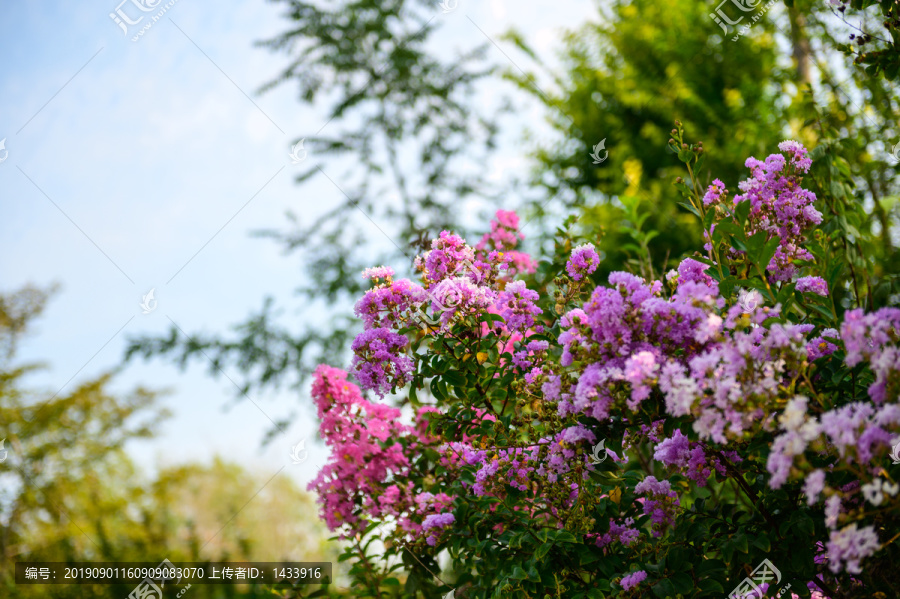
[436,391]
[709,566]
[542,551]
[564,536]
[765,255]
[742,211]
[762,542]
[708,585]
[689,208]
[663,589]
[683,583]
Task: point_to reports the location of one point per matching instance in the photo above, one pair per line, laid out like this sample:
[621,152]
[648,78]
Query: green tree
[69,491]
[645,63]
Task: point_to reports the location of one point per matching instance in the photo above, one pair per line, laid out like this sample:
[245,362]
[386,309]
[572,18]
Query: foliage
[644,62]
[69,492]
[641,437]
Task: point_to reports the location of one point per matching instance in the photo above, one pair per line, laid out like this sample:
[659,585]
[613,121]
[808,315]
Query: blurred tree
[645,63]
[69,492]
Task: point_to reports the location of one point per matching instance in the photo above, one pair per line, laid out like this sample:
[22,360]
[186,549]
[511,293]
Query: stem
[751,494]
[426,568]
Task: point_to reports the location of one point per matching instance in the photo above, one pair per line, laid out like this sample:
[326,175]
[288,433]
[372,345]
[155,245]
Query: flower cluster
[875,338]
[378,361]
[503,238]
[459,283]
[583,261]
[723,375]
[779,206]
[355,429]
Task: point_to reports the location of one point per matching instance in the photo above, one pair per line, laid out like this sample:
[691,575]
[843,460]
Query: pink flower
[379,272]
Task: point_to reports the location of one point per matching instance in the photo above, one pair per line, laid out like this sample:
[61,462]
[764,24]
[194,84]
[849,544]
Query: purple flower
[798,154]
[438,520]
[459,296]
[661,503]
[389,305]
[673,451]
[449,256]
[815,483]
[378,362]
[850,545]
[815,285]
[640,369]
[516,305]
[873,337]
[582,262]
[780,207]
[821,346]
[715,194]
[632,580]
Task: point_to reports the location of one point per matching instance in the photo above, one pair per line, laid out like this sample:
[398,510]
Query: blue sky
[130,162]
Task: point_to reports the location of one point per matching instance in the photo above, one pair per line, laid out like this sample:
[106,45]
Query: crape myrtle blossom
[503,238]
[367,475]
[702,370]
[622,533]
[689,457]
[390,305]
[632,580]
[457,297]
[815,285]
[583,261]
[779,206]
[823,344]
[379,272]
[661,503]
[850,545]
[516,305]
[378,362]
[461,281]
[359,463]
[875,338]
[715,194]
